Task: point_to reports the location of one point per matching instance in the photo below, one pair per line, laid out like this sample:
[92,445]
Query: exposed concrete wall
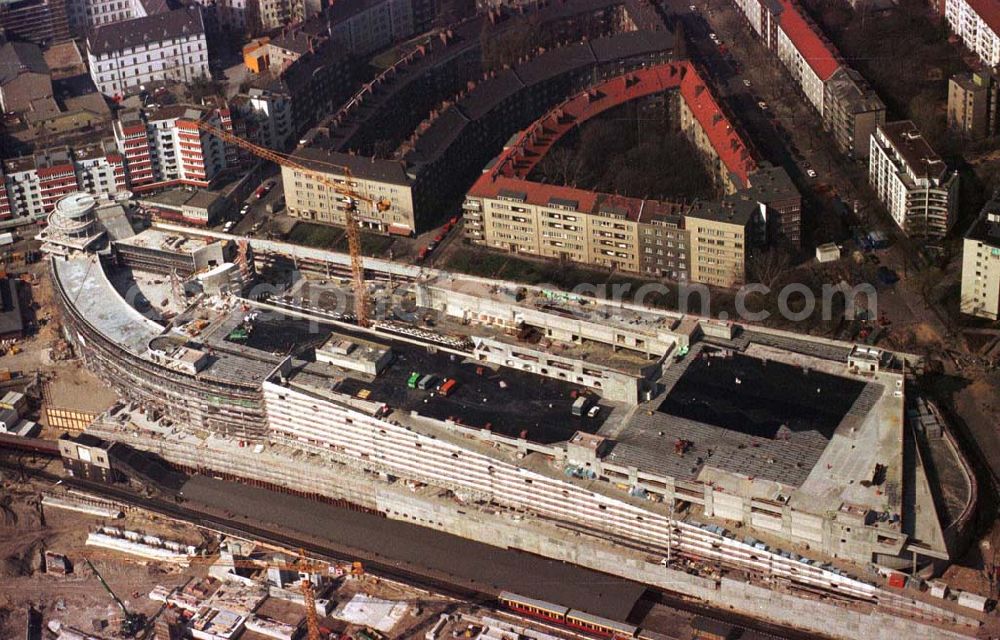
[506,530]
[863,623]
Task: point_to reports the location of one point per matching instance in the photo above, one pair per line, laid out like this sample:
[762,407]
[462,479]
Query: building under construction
[617,437]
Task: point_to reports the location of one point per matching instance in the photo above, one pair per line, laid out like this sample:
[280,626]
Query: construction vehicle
[352,198]
[132,623]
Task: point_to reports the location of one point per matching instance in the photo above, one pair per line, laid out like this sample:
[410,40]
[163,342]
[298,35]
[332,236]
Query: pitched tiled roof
[542,135]
[20,57]
[820,55]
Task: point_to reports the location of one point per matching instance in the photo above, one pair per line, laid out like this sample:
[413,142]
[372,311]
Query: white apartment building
[981,264]
[100,169]
[274,14]
[31,185]
[263,117]
[807,57]
[166,148]
[84,15]
[124,56]
[385,183]
[977,23]
[912,181]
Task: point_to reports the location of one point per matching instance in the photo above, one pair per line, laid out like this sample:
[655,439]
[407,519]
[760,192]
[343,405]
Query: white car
[746,83]
[810,173]
[226,228]
[244,209]
[762,105]
[594,410]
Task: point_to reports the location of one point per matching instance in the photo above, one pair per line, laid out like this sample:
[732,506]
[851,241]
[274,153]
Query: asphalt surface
[396,543]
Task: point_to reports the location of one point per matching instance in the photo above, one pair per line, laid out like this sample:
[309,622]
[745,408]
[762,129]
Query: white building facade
[124,56]
[977,23]
[981,264]
[911,181]
[166,148]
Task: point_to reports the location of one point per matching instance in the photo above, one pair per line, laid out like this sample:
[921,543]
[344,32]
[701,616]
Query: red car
[263,190]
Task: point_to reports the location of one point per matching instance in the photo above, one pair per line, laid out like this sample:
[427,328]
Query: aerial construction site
[768,474]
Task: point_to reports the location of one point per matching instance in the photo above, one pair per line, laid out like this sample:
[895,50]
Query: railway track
[241,529]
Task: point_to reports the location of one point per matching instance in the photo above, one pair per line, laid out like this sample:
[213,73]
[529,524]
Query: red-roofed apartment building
[977,23]
[31,185]
[849,108]
[708,241]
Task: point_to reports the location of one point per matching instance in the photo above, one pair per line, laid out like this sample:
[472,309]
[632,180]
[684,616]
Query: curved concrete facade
[113,338]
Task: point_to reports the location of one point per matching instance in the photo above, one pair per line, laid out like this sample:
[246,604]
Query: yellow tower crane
[353,197]
[303,566]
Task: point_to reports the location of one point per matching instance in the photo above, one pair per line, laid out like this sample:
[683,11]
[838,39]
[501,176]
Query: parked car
[264,189]
[811,173]
[226,228]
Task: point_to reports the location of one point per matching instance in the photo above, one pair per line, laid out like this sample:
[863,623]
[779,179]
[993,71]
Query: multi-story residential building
[124,56]
[773,189]
[912,181]
[708,242]
[852,111]
[849,108]
[981,263]
[84,15]
[806,55]
[972,104]
[100,168]
[384,182]
[977,23]
[365,26]
[24,77]
[165,147]
[301,71]
[722,234]
[42,22]
[32,184]
[263,117]
[443,156]
[286,48]
[267,15]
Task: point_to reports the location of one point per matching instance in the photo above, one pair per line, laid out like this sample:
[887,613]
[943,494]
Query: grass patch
[321,236]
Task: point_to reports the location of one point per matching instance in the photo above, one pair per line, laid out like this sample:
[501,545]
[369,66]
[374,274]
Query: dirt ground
[77,599]
[66,382]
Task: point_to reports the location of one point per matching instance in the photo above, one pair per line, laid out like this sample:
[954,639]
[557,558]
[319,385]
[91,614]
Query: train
[574,619]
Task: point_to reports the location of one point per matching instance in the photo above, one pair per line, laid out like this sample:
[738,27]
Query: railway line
[235,527]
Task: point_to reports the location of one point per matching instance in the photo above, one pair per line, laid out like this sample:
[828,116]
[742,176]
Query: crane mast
[358,285]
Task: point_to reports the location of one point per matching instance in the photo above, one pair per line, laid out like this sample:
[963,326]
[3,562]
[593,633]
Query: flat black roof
[759,397]
[492,569]
[507,401]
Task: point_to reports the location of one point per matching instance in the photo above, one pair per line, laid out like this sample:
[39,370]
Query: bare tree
[768,266]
